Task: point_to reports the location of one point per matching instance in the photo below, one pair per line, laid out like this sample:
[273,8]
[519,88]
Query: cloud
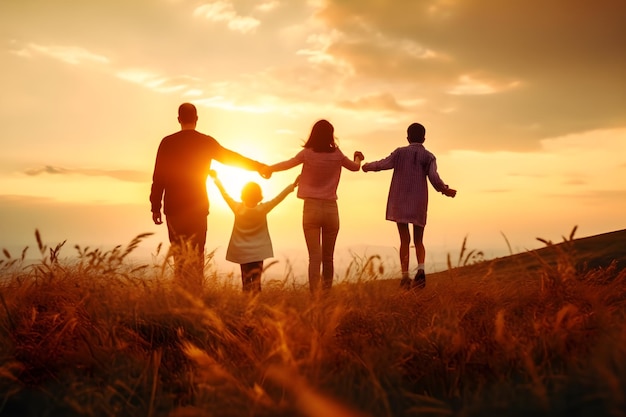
[73,55]
[120,174]
[523,71]
[384,101]
[46,170]
[224,11]
[469,85]
[268,5]
[491,34]
[473,70]
[224,103]
[160,83]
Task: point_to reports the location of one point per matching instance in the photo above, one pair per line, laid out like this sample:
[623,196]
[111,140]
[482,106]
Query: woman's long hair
[322,138]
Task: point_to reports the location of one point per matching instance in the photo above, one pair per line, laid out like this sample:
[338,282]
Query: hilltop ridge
[592,252]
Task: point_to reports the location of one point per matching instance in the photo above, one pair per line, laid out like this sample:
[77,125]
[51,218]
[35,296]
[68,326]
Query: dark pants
[251,276]
[187,233]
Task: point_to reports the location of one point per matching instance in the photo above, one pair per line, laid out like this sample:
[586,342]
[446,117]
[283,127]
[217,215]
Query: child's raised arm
[280,197]
[229,200]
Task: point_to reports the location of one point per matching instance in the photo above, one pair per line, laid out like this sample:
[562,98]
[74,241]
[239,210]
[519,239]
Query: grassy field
[541,333]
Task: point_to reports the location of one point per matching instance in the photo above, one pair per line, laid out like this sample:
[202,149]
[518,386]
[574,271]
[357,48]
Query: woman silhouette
[322,161]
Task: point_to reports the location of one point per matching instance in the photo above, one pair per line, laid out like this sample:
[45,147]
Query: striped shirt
[320,172]
[408,192]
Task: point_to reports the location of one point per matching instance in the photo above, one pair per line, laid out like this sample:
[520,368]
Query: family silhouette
[183,164]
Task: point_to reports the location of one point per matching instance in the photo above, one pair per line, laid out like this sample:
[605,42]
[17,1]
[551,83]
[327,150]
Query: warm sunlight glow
[234,179]
[83,116]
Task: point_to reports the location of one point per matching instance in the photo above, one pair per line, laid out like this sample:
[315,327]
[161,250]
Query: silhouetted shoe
[420,279]
[405,283]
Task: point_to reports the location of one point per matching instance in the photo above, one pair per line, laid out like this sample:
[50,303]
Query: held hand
[358,155]
[216,180]
[156,218]
[265,171]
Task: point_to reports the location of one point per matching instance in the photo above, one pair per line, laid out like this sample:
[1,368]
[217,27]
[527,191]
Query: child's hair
[416,133]
[322,137]
[251,193]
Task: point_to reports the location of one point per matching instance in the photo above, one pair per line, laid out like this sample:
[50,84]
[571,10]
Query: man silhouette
[182,165]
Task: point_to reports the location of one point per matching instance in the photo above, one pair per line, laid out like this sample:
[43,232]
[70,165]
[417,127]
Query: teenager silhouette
[407,202]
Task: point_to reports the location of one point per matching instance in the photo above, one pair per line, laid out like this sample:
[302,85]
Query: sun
[234,179]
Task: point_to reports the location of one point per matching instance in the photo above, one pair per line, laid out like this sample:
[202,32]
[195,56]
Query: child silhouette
[250,242]
[408,196]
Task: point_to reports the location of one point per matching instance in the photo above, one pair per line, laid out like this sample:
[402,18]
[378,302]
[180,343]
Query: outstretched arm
[280,197]
[437,182]
[355,164]
[287,164]
[228,157]
[380,165]
[229,200]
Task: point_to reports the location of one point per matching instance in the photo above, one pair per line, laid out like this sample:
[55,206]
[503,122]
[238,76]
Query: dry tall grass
[100,336]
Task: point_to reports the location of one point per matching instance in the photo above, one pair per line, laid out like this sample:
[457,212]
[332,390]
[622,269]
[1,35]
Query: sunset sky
[524,103]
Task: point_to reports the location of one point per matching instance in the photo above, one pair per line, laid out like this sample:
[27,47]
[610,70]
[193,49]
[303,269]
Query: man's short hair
[187,113]
[416,133]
